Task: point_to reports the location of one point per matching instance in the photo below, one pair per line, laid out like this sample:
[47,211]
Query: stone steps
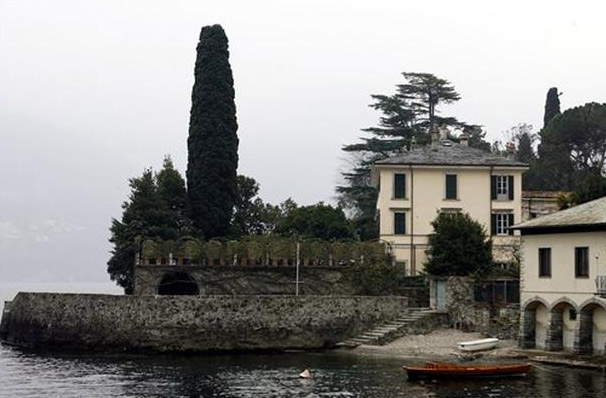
[387,332]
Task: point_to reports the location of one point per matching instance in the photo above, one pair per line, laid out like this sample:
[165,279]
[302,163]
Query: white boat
[478,345]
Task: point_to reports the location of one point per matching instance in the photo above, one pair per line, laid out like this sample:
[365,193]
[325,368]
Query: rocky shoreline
[441,344]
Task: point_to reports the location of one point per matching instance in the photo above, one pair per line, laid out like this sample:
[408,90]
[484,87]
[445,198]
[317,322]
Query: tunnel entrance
[178,283]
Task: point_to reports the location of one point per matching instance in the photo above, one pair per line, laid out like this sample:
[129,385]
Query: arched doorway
[178,283]
[562,326]
[534,324]
[592,327]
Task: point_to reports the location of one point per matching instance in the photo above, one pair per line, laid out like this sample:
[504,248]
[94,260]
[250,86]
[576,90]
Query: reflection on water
[334,374]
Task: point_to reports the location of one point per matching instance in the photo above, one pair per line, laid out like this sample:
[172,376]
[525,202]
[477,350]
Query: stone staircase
[385,333]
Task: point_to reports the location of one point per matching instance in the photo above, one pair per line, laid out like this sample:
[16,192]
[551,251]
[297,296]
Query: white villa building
[563,280]
[446,177]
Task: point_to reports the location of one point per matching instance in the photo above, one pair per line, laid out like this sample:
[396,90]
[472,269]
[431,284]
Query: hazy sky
[92,92]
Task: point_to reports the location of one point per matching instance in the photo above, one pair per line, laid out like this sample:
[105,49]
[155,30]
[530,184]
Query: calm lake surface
[26,374]
[334,374]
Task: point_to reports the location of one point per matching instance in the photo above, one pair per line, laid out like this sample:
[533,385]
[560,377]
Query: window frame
[396,191]
[581,262]
[544,262]
[502,182]
[502,224]
[456,186]
[396,230]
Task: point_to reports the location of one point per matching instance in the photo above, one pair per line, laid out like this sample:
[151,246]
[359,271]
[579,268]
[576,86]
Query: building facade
[563,280]
[446,177]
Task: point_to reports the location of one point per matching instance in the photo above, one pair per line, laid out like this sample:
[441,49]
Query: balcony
[600,283]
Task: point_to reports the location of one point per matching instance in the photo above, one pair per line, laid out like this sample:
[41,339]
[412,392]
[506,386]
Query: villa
[447,177]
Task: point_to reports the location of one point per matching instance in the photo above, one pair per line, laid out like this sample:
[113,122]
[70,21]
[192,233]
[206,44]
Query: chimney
[464,139]
[443,133]
[435,137]
[511,150]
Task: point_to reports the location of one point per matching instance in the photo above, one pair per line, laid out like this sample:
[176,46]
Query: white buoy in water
[305,374]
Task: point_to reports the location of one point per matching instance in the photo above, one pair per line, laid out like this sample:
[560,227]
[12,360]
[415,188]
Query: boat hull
[478,345]
[450,371]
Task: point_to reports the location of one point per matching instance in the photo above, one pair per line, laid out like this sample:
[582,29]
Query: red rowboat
[434,370]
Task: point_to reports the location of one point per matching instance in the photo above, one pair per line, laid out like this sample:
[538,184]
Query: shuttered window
[399,184]
[501,187]
[500,223]
[399,223]
[451,186]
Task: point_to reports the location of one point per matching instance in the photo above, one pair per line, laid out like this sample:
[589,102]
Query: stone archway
[562,325]
[178,284]
[533,324]
[591,334]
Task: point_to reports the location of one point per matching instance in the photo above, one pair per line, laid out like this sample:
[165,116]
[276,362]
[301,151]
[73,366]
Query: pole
[297,266]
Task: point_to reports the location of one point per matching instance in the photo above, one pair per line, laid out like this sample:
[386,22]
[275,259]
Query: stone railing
[262,251]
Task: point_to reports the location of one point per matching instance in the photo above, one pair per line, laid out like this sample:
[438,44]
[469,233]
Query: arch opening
[178,284]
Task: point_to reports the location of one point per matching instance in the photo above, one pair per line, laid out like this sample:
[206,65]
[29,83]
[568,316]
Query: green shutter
[493,224]
[510,223]
[510,183]
[493,187]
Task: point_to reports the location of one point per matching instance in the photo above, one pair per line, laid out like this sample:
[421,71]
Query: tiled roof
[451,155]
[588,214]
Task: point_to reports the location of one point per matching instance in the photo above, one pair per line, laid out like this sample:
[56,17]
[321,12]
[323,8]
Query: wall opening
[178,283]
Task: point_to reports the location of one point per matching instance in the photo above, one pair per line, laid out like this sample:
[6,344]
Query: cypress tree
[552,105]
[212,142]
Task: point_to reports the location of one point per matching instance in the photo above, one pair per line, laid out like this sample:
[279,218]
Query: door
[441,295]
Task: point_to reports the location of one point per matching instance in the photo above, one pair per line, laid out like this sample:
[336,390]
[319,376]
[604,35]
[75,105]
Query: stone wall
[192,323]
[280,280]
[501,321]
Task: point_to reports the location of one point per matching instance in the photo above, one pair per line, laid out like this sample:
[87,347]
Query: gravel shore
[439,344]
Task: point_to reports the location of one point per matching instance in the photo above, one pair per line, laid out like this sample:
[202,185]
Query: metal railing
[600,283]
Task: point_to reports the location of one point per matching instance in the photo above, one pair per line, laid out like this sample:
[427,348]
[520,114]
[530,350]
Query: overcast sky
[92,92]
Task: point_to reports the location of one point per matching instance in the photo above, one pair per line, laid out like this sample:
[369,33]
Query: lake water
[26,374]
[334,374]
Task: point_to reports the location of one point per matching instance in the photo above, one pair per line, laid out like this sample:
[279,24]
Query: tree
[458,246]
[172,192]
[319,221]
[408,115]
[251,215]
[573,148]
[212,142]
[552,105]
[155,209]
[140,218]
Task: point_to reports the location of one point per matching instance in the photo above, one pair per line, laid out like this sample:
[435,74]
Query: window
[399,223]
[501,187]
[581,262]
[545,262]
[500,223]
[451,186]
[572,314]
[399,186]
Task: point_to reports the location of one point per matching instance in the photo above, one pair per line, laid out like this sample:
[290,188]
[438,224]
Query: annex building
[563,280]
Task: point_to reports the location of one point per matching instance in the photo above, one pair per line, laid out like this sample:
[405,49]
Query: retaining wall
[192,323]
[280,280]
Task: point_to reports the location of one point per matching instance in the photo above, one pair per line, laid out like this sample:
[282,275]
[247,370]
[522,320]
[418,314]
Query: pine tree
[141,218]
[156,208]
[212,142]
[408,116]
[552,105]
